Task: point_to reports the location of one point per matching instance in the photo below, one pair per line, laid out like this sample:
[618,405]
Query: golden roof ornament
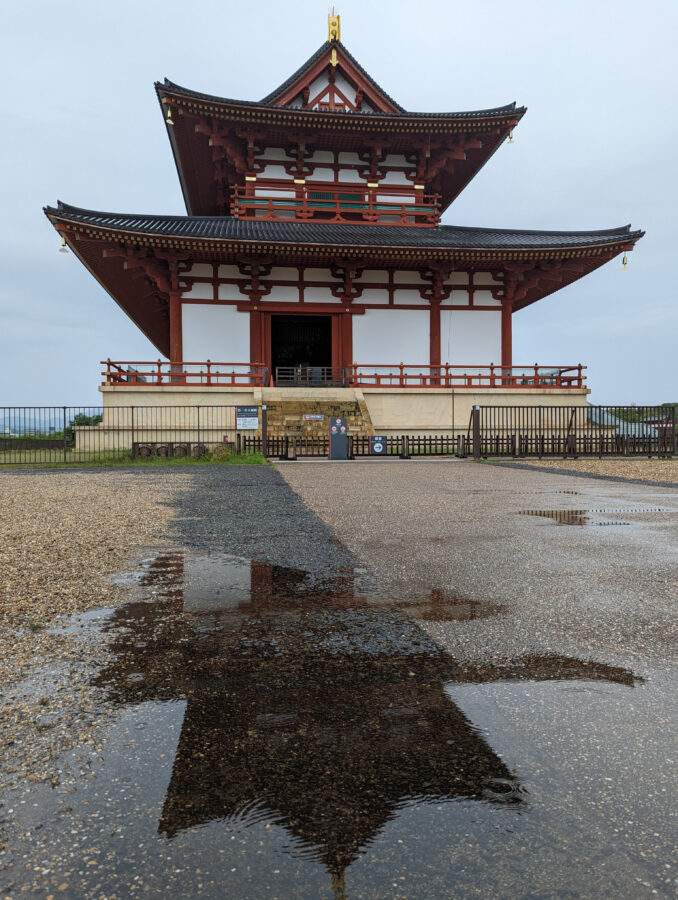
[333,27]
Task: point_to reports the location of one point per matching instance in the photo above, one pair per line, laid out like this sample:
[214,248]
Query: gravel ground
[67,532]
[61,535]
[635,469]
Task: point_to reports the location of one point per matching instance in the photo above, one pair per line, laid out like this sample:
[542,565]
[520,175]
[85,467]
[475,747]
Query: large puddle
[277,736]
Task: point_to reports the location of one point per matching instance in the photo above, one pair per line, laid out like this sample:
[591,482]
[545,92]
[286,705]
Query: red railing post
[159,371]
[209,371]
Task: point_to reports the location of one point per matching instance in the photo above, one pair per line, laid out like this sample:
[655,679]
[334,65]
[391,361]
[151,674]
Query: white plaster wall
[199,270]
[412,298]
[201,290]
[272,171]
[457,278]
[283,273]
[349,176]
[318,275]
[370,276]
[405,277]
[470,337]
[229,272]
[326,156]
[374,295]
[384,336]
[485,298]
[485,278]
[322,81]
[350,159]
[283,294]
[459,298]
[395,178]
[346,89]
[231,292]
[321,174]
[219,333]
[273,153]
[319,295]
[395,159]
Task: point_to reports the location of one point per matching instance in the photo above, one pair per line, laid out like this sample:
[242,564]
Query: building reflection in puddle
[317,706]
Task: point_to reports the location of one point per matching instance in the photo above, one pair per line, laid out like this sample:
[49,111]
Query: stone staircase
[286,408]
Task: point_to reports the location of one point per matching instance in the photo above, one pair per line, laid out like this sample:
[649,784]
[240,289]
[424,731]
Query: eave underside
[134,264]
[348,132]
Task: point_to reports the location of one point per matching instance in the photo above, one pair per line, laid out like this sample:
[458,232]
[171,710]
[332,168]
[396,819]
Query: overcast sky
[596,149]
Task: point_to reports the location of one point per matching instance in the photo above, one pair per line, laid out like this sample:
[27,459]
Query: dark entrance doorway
[300,342]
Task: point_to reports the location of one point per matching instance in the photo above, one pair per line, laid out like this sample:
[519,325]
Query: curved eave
[473,248]
[337,130]
[245,110]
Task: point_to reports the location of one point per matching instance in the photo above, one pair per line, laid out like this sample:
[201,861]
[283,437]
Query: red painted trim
[256,343]
[434,335]
[370,91]
[346,339]
[300,309]
[336,339]
[506,334]
[176,340]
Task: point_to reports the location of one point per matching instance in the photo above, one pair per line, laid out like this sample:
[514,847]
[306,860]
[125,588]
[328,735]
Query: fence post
[132,414]
[64,434]
[264,430]
[476,432]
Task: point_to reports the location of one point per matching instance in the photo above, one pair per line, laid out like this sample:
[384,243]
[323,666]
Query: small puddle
[281,735]
[585,516]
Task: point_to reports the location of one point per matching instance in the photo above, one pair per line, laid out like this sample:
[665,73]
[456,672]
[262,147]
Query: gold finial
[63,248]
[333,27]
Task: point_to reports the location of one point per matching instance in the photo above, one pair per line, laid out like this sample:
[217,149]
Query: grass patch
[54,459]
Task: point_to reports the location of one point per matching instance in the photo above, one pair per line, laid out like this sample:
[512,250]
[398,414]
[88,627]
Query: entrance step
[288,407]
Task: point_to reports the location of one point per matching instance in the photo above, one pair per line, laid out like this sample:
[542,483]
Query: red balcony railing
[184,374]
[329,202]
[398,375]
[448,376]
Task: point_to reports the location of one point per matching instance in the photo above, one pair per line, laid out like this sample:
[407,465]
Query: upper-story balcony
[330,202]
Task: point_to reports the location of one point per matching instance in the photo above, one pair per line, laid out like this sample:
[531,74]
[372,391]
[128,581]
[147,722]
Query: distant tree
[81,419]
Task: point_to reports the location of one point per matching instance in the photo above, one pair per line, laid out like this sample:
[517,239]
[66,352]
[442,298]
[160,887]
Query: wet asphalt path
[377,680]
[252,512]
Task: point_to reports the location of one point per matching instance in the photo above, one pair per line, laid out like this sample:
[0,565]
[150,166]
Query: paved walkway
[605,585]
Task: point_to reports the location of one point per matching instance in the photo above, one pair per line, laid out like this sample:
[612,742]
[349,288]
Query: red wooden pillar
[434,334]
[176,348]
[257,354]
[506,334]
[346,338]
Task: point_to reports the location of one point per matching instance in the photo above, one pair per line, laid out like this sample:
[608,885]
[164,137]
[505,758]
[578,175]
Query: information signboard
[247,418]
[338,438]
[377,445]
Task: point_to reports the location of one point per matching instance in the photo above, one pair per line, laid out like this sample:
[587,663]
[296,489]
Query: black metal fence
[312,376]
[86,434]
[49,435]
[403,446]
[572,431]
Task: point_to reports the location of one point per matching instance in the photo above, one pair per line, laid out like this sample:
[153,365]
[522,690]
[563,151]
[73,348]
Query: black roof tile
[269,99]
[441,237]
